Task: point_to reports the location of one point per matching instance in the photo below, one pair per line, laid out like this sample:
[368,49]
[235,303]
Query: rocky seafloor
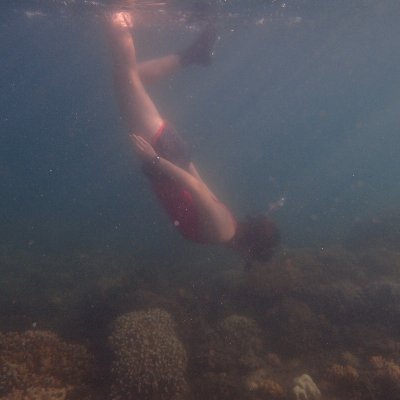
[313,323]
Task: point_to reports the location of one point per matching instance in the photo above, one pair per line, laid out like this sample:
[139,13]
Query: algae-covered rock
[235,344]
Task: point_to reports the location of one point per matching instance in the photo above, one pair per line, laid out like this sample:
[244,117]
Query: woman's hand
[143,148]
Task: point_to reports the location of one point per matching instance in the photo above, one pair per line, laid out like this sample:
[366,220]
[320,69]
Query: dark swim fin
[201,51]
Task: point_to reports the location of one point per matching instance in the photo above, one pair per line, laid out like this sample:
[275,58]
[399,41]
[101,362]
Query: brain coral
[39,361]
[149,359]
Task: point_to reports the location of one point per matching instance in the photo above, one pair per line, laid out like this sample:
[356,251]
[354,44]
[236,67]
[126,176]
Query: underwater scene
[199,200]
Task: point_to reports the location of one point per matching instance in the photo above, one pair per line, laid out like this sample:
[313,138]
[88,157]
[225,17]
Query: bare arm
[184,178]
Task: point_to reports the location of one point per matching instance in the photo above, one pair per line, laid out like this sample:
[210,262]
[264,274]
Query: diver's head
[256,238]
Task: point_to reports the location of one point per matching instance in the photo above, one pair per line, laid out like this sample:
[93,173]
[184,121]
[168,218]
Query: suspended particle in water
[261,21]
[34,14]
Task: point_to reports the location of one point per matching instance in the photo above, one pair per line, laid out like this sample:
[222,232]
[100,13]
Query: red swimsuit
[178,203]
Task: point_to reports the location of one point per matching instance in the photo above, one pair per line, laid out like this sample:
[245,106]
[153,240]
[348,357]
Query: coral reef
[330,311]
[149,359]
[39,362]
[235,344]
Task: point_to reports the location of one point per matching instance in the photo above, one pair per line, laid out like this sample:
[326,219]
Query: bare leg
[155,70]
[137,108]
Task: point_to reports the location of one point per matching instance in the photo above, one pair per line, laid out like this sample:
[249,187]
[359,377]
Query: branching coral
[150,361]
[40,361]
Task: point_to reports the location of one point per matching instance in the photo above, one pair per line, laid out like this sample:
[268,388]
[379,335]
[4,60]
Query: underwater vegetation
[311,324]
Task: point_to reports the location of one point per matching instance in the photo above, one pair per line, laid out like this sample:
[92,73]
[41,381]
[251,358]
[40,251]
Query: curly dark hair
[257,238]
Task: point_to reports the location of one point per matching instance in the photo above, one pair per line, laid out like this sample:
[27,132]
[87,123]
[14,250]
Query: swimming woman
[192,207]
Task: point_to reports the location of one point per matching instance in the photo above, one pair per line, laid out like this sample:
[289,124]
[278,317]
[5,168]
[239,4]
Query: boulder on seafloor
[149,360]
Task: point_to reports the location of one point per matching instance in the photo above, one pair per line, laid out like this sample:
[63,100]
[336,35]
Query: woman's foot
[201,51]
